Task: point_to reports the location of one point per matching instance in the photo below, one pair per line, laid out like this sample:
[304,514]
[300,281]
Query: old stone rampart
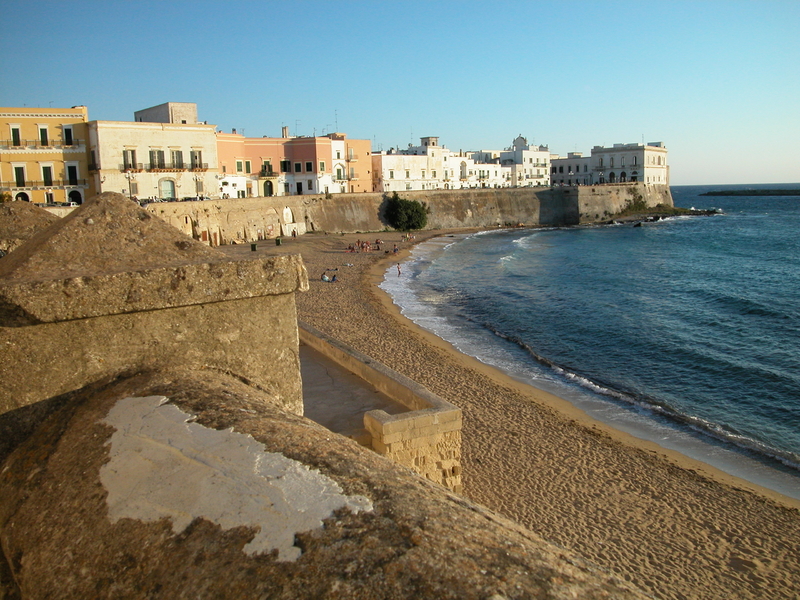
[251,219]
[109,290]
[427,439]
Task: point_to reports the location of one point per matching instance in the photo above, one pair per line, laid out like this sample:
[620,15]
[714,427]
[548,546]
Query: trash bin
[277,241]
[253,247]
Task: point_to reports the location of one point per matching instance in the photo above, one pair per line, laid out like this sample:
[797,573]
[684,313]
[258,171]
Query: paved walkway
[336,398]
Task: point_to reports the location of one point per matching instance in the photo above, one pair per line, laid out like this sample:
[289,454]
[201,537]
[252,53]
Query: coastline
[672,525]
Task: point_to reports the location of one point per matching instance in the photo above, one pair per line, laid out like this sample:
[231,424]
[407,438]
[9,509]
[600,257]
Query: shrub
[405,215]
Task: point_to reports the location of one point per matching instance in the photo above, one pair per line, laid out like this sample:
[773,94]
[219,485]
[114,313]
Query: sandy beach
[672,526]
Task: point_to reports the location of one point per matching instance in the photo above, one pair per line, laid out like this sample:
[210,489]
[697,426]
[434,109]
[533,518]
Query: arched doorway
[268,191]
[166,188]
[612,178]
[23,197]
[635,176]
[75,196]
[623,177]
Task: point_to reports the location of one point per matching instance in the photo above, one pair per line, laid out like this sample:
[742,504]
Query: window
[224,169]
[196,157]
[247,167]
[310,185]
[177,159]
[391,174]
[298,167]
[134,188]
[338,154]
[286,166]
[322,166]
[72,174]
[266,167]
[352,172]
[68,136]
[634,161]
[309,166]
[15,137]
[339,174]
[622,161]
[156,159]
[43,136]
[408,174]
[239,166]
[47,176]
[129,159]
[19,176]
[433,174]
[49,197]
[350,154]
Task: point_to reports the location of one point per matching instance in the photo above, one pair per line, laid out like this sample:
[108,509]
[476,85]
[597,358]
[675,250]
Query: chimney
[285,131]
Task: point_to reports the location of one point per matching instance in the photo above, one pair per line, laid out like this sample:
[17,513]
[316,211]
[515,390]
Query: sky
[717,81]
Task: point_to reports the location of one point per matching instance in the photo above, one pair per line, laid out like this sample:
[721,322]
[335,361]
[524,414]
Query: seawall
[251,219]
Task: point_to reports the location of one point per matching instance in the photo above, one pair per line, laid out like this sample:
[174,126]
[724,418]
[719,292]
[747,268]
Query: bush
[405,215]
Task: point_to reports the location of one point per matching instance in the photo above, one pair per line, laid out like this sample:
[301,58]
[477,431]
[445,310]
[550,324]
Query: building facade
[43,155]
[289,166]
[621,163]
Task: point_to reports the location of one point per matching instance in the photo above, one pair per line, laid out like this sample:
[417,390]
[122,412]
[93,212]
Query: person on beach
[398,269]
[325,277]
[395,249]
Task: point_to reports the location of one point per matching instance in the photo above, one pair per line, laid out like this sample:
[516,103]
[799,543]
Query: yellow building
[43,154]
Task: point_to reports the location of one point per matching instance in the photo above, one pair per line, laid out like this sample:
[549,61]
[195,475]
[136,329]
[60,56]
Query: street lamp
[131,177]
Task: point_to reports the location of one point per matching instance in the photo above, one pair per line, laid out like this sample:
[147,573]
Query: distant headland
[752,193]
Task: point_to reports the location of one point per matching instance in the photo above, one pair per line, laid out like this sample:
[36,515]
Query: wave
[716,431]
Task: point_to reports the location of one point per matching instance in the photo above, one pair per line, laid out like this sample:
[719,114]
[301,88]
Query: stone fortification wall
[109,291]
[427,439]
[251,219]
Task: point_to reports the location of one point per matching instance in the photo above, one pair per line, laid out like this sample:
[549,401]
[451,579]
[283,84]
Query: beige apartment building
[155,159]
[43,155]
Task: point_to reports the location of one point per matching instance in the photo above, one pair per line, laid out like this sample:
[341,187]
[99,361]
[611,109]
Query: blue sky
[717,81]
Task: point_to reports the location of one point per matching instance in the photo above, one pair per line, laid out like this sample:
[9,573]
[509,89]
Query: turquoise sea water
[685,331]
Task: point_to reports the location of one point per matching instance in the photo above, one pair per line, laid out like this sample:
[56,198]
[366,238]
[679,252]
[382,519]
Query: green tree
[405,215]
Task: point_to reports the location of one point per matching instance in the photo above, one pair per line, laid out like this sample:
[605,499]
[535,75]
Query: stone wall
[251,219]
[427,439]
[109,291]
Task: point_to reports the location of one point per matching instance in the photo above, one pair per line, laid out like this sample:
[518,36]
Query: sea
[684,332]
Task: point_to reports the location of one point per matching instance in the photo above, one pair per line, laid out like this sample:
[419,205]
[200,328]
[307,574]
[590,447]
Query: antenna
[336,118]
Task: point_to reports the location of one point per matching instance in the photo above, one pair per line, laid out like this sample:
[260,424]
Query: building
[430,166]
[620,163]
[157,159]
[631,162]
[288,166]
[43,155]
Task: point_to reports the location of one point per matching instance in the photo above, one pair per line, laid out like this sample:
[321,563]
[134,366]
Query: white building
[530,164]
[619,164]
[155,159]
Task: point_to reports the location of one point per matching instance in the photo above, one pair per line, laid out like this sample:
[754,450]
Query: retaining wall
[427,439]
[251,219]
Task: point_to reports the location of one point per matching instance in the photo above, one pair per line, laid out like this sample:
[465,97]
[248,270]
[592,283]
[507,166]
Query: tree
[405,215]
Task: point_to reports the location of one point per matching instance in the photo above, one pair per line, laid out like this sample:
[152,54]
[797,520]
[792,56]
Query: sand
[672,526]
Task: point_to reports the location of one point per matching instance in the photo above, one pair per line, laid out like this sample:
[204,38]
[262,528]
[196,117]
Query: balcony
[198,167]
[33,184]
[165,167]
[129,168]
[268,174]
[32,144]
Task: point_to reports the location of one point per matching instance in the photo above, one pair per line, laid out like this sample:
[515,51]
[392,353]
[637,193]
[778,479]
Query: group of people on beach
[365,246]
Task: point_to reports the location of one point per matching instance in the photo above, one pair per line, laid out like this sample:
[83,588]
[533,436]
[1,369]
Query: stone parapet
[427,439]
[109,291]
[48,301]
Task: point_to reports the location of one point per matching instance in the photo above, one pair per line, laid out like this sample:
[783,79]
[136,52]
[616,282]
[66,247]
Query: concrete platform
[338,399]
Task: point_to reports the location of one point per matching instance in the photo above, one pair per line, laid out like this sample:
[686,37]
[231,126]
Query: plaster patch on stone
[164,466]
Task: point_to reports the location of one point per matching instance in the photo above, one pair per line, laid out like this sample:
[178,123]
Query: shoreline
[672,525]
[563,406]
